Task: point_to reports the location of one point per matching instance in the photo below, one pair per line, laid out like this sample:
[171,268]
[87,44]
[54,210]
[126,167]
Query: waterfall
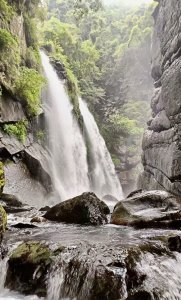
[102,175]
[70,171]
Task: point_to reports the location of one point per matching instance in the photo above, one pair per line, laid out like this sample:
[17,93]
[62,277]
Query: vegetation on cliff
[19,70]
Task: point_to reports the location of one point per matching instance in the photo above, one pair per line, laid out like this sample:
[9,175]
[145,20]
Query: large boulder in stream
[27,268]
[154,209]
[83,209]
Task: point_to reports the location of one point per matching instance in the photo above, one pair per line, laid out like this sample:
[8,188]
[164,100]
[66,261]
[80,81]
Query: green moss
[32,252]
[6,40]
[30,31]
[3,219]
[28,88]
[33,59]
[8,63]
[2,177]
[6,11]
[18,129]
[73,92]
[40,135]
[116,160]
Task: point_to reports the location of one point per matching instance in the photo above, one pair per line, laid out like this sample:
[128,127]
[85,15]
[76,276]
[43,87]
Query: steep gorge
[76,249]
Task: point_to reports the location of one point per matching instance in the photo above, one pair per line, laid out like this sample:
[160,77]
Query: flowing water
[71,173]
[163,271]
[79,161]
[102,172]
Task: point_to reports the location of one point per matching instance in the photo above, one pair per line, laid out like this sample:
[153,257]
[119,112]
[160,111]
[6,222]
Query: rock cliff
[21,128]
[161,142]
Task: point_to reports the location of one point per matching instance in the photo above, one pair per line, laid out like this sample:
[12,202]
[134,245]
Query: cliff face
[161,142]
[20,129]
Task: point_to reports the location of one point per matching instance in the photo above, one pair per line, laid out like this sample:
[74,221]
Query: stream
[108,236]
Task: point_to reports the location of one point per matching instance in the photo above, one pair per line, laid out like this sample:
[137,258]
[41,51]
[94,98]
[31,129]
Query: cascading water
[70,171]
[102,174]
[68,153]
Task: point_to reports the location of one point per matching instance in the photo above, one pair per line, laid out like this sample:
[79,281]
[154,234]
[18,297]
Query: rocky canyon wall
[161,142]
[21,149]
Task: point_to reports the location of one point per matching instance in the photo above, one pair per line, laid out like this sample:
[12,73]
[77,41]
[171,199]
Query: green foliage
[40,135]
[8,63]
[3,222]
[91,39]
[7,41]
[125,125]
[28,87]
[18,129]
[33,59]
[116,160]
[30,31]
[6,11]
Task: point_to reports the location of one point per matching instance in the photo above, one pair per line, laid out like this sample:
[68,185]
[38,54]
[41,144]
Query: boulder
[11,200]
[158,209]
[12,204]
[23,225]
[38,219]
[27,268]
[45,208]
[83,209]
[174,243]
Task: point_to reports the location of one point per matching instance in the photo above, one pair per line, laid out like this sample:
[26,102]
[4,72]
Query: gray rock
[160,122]
[83,209]
[161,142]
[148,209]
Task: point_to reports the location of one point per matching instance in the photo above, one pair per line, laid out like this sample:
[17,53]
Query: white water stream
[70,171]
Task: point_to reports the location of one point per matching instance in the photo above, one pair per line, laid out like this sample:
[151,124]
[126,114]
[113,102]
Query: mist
[126,2]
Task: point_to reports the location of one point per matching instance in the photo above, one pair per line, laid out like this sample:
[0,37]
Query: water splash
[163,275]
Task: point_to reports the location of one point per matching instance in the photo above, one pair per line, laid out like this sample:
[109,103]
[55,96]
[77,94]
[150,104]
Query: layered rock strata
[161,142]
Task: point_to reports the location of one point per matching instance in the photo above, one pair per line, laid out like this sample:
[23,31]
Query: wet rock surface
[155,209]
[3,222]
[161,142]
[88,262]
[27,267]
[83,209]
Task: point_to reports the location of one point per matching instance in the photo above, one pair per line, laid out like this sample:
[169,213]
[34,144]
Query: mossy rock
[2,177]
[31,252]
[3,221]
[122,216]
[27,268]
